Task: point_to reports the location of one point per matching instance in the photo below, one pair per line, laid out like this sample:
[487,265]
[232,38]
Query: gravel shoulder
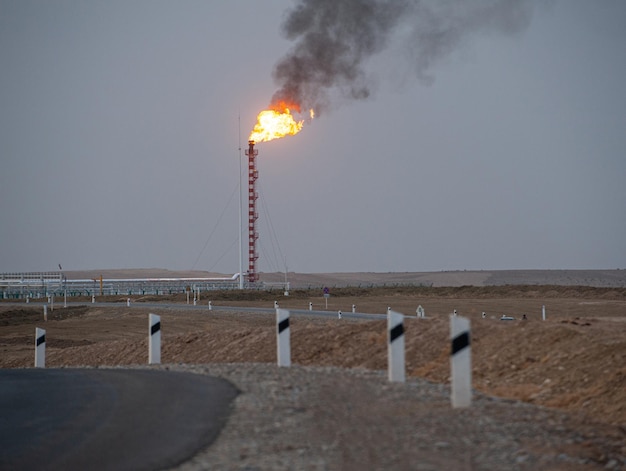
[324,418]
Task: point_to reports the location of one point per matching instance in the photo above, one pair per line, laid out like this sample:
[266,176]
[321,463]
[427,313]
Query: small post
[354,308]
[45,313]
[40,348]
[282,337]
[543,312]
[310,306]
[339,314]
[27,298]
[93,298]
[65,298]
[395,349]
[420,312]
[127,302]
[460,362]
[210,306]
[154,339]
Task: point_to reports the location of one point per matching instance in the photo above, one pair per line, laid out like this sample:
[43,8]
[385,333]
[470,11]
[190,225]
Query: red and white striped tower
[253,235]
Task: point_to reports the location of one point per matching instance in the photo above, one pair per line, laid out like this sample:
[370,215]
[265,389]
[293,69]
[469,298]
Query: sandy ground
[574,361]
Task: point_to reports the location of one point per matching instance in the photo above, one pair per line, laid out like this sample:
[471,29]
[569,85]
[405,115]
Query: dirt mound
[31,315]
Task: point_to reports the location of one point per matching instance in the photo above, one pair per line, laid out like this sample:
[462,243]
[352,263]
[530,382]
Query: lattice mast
[253,235]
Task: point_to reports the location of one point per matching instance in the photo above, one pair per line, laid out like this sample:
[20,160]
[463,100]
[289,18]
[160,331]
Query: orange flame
[275,123]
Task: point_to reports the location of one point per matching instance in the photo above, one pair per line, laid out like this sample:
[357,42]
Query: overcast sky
[119,136]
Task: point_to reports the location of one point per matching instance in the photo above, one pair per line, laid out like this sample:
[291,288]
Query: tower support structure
[253,215]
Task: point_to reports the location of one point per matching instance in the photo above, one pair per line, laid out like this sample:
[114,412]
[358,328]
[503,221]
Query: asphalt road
[205,308]
[108,419]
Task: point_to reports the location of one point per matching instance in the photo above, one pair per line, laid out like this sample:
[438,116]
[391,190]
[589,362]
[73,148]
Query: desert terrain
[569,370]
[574,361]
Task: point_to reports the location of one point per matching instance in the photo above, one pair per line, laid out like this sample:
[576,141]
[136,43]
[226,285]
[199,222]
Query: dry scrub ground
[573,361]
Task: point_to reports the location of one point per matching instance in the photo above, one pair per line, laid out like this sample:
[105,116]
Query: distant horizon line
[461,270]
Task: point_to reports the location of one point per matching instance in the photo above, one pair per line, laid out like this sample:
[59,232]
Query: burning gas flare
[276,122]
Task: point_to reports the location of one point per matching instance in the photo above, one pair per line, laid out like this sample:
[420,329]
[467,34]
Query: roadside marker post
[283,348]
[543,312]
[339,314]
[354,308]
[460,362]
[45,313]
[210,306]
[395,350]
[154,339]
[40,348]
[310,306]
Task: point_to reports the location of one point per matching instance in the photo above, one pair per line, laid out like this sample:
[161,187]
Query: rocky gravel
[328,418]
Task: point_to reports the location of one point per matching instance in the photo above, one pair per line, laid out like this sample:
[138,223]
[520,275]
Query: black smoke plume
[333,40]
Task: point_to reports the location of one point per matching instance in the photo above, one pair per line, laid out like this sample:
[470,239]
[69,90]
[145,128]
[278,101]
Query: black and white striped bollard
[460,362]
[283,348]
[395,350]
[40,348]
[154,340]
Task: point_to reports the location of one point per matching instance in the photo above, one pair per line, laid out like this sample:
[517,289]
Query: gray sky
[119,137]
